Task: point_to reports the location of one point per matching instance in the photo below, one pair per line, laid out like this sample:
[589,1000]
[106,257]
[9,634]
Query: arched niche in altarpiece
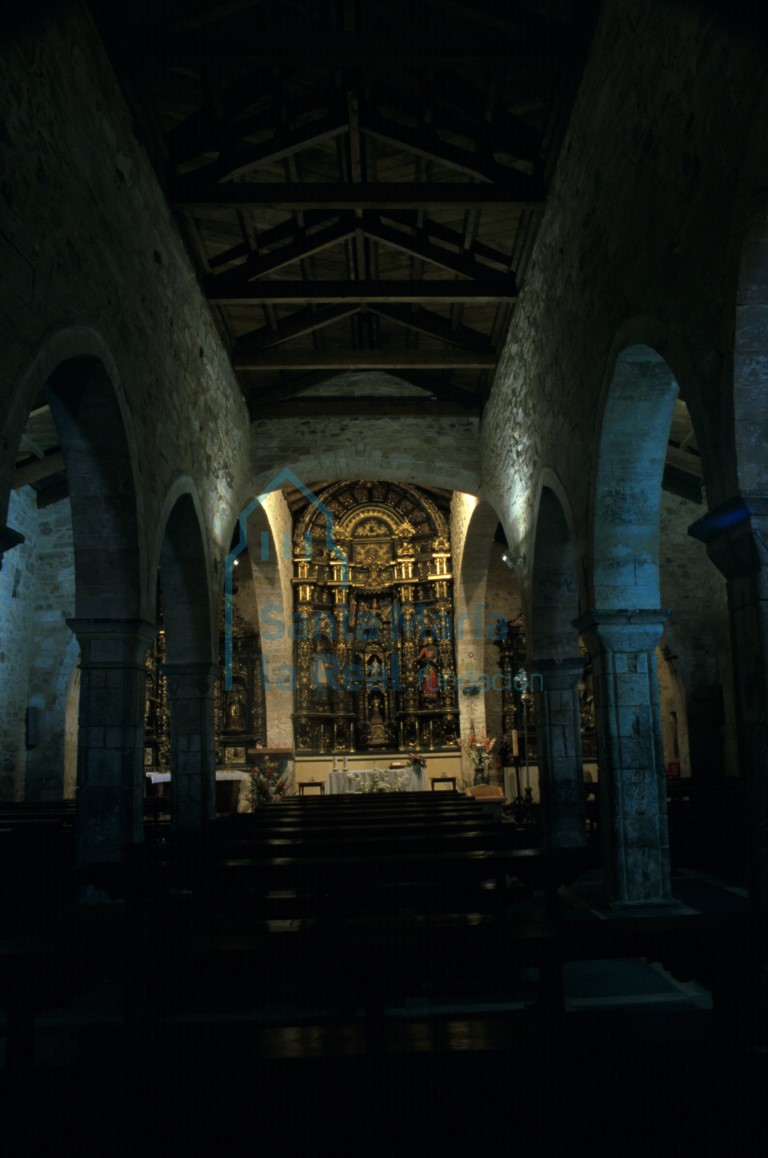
[373,592]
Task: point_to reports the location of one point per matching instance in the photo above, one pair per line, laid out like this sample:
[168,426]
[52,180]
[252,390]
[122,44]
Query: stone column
[736,535]
[110,742]
[561,774]
[193,762]
[632,777]
[8,539]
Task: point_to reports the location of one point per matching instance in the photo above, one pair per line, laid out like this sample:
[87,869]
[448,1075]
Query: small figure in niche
[427,659]
[236,710]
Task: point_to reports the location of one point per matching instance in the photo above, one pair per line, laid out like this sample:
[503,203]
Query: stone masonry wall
[54,650]
[38,652]
[639,225]
[442,451]
[17,595]
[87,243]
[697,633]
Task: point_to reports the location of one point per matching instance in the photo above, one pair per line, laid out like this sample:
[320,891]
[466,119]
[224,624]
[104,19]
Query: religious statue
[322,674]
[377,727]
[235,710]
[427,658]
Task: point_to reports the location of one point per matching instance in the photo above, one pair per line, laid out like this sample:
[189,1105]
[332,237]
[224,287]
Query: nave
[418,1014]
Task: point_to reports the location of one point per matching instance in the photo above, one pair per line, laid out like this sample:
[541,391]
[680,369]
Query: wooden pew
[364,963]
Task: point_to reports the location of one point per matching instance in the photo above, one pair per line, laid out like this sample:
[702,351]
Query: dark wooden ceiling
[358,182]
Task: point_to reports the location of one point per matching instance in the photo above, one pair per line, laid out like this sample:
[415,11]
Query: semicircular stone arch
[109,557]
[554,589]
[627,495]
[477,556]
[189,666]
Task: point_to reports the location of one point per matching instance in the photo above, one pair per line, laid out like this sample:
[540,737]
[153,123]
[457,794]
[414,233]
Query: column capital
[8,540]
[736,535]
[624,630]
[113,642]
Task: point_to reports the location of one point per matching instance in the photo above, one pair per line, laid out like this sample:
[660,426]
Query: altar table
[359,779]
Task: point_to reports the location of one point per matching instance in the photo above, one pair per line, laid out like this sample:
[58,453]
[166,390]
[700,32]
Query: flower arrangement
[479,749]
[267,783]
[417,758]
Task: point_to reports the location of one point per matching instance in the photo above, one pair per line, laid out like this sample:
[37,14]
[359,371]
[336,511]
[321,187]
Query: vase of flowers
[266,783]
[479,749]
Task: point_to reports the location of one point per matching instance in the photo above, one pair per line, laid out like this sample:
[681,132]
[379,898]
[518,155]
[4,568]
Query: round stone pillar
[193,759]
[736,535]
[110,739]
[561,773]
[632,777]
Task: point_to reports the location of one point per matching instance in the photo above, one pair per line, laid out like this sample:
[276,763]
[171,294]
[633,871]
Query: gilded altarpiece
[375,666]
[240,718]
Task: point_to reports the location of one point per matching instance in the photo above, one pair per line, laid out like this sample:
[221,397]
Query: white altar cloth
[164,777]
[358,779]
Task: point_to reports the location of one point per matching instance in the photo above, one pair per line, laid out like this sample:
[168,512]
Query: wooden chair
[318,784]
[444,780]
[486,792]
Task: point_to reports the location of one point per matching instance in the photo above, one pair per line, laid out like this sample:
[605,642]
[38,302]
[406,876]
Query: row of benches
[334,904]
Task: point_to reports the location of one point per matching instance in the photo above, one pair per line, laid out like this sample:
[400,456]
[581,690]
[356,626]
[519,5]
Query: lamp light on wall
[513,561]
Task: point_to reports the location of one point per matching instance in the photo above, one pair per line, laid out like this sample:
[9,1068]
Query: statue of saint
[236,710]
[427,659]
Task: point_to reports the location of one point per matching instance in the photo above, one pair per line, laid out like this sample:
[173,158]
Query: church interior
[383,523]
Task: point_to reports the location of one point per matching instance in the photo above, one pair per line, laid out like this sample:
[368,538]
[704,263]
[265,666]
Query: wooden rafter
[361,406]
[293,358]
[428,144]
[433,326]
[516,189]
[417,243]
[236,161]
[224,290]
[349,50]
[303,246]
[299,324]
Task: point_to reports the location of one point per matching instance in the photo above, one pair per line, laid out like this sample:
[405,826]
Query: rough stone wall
[37,649]
[442,451]
[17,598]
[86,241]
[697,632]
[639,225]
[502,597]
[54,650]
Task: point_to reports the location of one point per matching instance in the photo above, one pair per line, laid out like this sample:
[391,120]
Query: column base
[660,908]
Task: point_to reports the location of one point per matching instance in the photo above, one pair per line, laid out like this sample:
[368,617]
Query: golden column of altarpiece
[375,667]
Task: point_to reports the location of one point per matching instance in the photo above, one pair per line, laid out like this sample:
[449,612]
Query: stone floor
[632,1070]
